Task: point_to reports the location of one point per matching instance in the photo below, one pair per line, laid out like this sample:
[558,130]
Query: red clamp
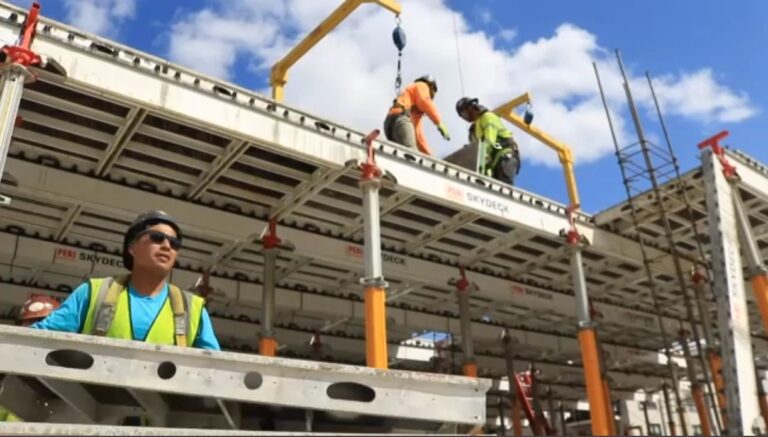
[698,277]
[23,54]
[370,170]
[714,142]
[462,284]
[270,240]
[572,236]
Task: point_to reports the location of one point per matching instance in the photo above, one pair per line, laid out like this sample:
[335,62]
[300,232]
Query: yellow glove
[444,131]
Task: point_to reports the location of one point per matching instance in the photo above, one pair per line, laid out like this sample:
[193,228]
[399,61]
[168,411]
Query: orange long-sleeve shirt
[416,97]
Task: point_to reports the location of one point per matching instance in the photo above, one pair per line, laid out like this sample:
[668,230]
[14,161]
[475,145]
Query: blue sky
[506,48]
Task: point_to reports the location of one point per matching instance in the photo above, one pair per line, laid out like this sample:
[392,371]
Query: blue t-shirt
[70,316]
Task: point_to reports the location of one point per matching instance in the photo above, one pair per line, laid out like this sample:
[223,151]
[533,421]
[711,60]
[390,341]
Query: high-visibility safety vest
[7,416]
[109,314]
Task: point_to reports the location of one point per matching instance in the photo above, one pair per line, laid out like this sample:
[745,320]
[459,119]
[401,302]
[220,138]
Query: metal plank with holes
[72,360]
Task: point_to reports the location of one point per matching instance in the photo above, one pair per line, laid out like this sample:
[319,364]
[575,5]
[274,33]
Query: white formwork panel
[733,318]
[134,79]
[127,202]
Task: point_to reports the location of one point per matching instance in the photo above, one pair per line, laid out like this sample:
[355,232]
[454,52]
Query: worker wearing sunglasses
[142,305]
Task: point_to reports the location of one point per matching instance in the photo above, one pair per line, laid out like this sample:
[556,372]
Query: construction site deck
[125,132]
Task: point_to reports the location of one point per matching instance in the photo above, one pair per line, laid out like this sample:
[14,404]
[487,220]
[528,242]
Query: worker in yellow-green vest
[140,306]
[499,156]
[36,308]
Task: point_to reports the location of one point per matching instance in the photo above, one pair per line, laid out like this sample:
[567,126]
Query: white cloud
[102,17]
[507,34]
[349,76]
[698,95]
[485,16]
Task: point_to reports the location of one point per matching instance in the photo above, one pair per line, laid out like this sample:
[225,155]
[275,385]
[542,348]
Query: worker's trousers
[400,129]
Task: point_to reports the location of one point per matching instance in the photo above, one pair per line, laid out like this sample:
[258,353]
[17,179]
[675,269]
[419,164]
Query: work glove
[444,131]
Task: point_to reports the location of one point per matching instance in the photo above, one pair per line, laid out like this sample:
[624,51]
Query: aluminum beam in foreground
[241,378]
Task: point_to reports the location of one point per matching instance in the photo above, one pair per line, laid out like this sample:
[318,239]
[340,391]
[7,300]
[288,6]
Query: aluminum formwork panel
[65,186]
[733,318]
[236,378]
[142,81]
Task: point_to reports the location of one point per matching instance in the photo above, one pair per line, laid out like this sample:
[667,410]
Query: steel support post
[668,406]
[645,416]
[14,61]
[12,78]
[718,409]
[563,430]
[551,406]
[502,422]
[735,334]
[592,360]
[267,341]
[590,352]
[538,424]
[469,366]
[696,392]
[373,282]
[514,393]
[517,419]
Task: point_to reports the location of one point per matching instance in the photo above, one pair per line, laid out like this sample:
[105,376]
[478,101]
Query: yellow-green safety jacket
[7,416]
[494,141]
[109,314]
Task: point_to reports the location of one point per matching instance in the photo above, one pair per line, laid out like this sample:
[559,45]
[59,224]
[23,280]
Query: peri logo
[355,251]
[455,193]
[65,254]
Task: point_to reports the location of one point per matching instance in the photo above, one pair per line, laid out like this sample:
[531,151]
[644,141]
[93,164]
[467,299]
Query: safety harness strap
[105,303]
[179,306]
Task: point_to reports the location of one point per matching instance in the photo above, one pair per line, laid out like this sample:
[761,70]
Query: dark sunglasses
[157,237]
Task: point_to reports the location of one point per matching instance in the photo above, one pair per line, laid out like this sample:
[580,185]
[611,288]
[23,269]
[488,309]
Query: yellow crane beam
[564,154]
[279,75]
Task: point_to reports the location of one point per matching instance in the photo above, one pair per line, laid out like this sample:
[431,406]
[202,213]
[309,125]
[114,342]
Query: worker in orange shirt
[403,122]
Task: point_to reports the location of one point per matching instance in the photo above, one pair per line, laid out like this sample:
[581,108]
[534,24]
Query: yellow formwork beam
[564,154]
[279,75]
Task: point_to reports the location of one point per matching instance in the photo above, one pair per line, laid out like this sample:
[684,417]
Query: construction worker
[141,306]
[403,122]
[36,308]
[499,155]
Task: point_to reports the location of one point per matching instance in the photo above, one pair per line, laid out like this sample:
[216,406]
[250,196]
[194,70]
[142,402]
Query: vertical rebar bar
[633,210]
[683,191]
